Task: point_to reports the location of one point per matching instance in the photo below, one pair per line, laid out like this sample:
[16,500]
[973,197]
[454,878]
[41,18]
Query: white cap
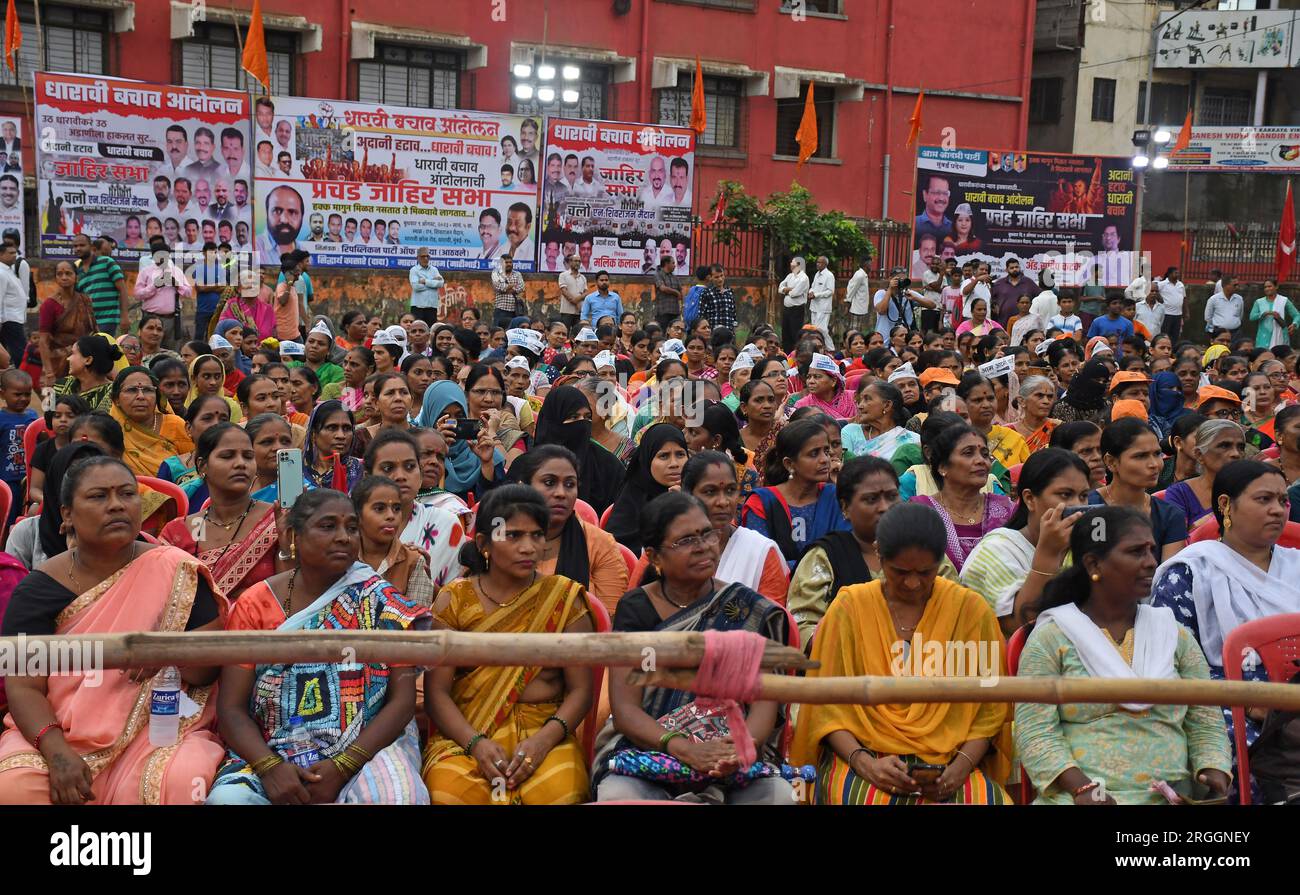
[603,359]
[673,345]
[322,327]
[518,363]
[742,362]
[668,355]
[1043,346]
[382,337]
[752,350]
[286,348]
[529,339]
[398,334]
[826,364]
[219,341]
[904,372]
[586,334]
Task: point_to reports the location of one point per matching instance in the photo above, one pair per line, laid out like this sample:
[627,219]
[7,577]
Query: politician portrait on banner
[132,161]
[11,180]
[361,185]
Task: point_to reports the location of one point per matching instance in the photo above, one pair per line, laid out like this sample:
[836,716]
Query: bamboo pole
[1049,690]
[455,648]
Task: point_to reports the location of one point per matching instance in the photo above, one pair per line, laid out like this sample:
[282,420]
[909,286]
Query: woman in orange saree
[506,733]
[83,737]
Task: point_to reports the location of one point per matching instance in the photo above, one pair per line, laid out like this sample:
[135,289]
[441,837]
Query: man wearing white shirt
[978,286]
[822,292]
[858,295]
[573,289]
[1150,312]
[13,305]
[1224,308]
[1172,293]
[426,288]
[177,142]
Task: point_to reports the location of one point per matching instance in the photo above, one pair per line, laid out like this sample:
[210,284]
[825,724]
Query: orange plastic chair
[637,572]
[604,517]
[600,620]
[171,489]
[630,559]
[1276,640]
[1208,530]
[586,512]
[1015,646]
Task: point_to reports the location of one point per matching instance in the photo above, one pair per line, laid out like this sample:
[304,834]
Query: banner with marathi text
[132,160]
[361,185]
[618,194]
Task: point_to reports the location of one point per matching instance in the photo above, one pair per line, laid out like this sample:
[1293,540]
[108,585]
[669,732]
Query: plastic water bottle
[165,708]
[301,748]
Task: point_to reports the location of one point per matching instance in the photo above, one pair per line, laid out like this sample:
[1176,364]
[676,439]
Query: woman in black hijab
[565,419]
[1085,399]
[654,468]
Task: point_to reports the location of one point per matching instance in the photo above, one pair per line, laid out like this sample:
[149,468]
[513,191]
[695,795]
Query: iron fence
[1248,251]
[751,252]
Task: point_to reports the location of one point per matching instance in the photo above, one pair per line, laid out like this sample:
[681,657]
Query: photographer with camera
[894,305]
[161,285]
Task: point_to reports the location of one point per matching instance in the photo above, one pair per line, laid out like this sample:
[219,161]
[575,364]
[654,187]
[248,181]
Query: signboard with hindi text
[365,185]
[132,160]
[618,194]
[11,180]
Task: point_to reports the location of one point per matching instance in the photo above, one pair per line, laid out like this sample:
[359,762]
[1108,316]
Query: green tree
[792,224]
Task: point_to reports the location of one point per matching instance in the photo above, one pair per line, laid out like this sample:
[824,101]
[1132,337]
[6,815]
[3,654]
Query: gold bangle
[965,756]
[1044,574]
[265,764]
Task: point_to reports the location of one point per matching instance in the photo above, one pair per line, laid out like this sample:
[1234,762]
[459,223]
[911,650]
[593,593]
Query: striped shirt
[99,281]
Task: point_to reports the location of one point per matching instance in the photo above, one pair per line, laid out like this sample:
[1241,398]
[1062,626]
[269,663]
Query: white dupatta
[1228,591]
[743,560]
[1155,639]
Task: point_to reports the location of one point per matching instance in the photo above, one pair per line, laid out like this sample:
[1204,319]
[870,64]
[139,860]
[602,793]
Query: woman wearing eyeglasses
[151,433]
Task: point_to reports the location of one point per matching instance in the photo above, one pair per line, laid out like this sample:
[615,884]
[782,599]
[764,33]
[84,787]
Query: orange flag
[915,133]
[254,60]
[1184,136]
[13,36]
[699,115]
[806,136]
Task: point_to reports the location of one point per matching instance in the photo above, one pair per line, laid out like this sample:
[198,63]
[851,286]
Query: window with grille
[75,41]
[593,93]
[1225,107]
[411,76]
[789,113]
[1169,103]
[826,7]
[1045,95]
[1103,99]
[212,58]
[721,105]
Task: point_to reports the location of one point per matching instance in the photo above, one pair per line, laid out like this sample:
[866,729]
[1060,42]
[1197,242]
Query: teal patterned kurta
[1125,749]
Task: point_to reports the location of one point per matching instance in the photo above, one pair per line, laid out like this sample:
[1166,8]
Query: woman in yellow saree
[505,735]
[150,433]
[911,623]
[83,737]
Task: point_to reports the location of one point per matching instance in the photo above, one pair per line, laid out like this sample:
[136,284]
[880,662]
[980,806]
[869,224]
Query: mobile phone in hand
[288,476]
[467,430]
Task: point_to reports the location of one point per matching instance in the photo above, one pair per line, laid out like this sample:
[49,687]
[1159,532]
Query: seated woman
[868,754]
[200,416]
[1010,565]
[90,371]
[1092,623]
[208,377]
[508,724]
[434,531]
[1133,458]
[682,543]
[655,468]
[799,487]
[878,429]
[393,406]
[151,434]
[911,461]
[1218,443]
[867,487]
[566,420]
[326,461]
[1214,586]
[318,732]
[960,462]
[825,389]
[473,464]
[271,434]
[578,550]
[1005,444]
[433,464]
[75,738]
[378,502]
[1037,395]
[235,535]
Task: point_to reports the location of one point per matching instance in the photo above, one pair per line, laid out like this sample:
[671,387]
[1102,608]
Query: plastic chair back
[31,435]
[6,504]
[171,489]
[1014,473]
[604,517]
[1208,530]
[600,620]
[585,512]
[630,559]
[1276,641]
[1015,646]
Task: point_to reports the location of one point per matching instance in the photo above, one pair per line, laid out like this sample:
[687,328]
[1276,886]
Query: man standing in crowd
[21,268]
[821,294]
[508,286]
[602,302]
[668,292]
[1171,292]
[100,277]
[858,295]
[573,288]
[287,303]
[717,301]
[160,285]
[894,304]
[13,305]
[209,280]
[426,288]
[1224,307]
[1007,292]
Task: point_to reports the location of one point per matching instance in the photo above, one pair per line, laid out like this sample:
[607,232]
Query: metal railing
[1248,251]
[751,253]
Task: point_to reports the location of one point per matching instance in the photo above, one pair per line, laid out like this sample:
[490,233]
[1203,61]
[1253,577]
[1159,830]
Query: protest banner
[362,185]
[1071,213]
[618,194]
[11,179]
[132,160]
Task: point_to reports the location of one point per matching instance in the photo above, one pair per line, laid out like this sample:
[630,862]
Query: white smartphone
[288,475]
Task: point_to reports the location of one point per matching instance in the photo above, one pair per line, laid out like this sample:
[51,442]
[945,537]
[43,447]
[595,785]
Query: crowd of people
[1110,505]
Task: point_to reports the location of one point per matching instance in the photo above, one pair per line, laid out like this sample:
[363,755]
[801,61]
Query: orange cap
[1214,393]
[1126,377]
[1128,407]
[939,375]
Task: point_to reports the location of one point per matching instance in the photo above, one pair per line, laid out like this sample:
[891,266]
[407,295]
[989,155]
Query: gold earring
[1227,521]
[1095,577]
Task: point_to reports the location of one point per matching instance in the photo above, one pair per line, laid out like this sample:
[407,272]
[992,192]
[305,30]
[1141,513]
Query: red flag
[699,115]
[1184,136]
[806,136]
[915,133]
[254,61]
[1286,238]
[720,207]
[13,36]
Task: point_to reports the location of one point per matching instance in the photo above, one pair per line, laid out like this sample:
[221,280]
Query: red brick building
[637,59]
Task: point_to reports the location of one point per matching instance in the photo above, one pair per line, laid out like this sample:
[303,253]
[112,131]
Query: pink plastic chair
[31,435]
[1208,530]
[1015,646]
[604,517]
[171,489]
[1276,640]
[601,621]
[586,512]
